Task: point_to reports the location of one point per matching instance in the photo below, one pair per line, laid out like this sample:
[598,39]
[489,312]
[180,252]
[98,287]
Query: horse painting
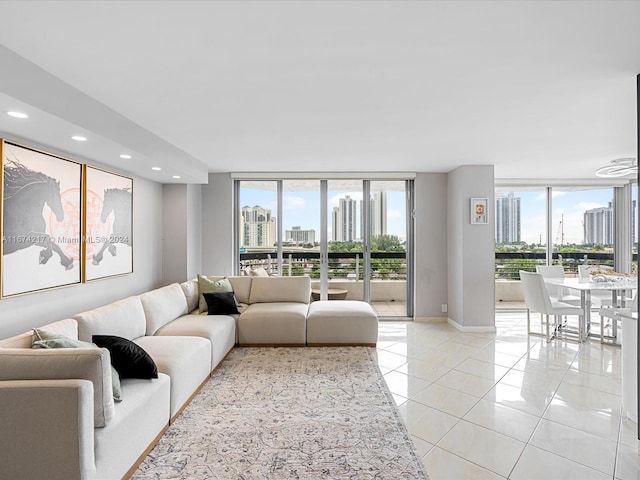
[25,194]
[118,201]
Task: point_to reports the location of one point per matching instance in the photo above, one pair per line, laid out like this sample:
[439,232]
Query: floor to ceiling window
[568,225]
[258,226]
[582,227]
[521,230]
[322,228]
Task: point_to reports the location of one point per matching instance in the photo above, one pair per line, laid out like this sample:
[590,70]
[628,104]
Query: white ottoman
[341,322]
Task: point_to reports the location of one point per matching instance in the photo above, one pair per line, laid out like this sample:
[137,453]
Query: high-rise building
[379,213]
[297,235]
[344,219]
[257,227]
[598,225]
[508,219]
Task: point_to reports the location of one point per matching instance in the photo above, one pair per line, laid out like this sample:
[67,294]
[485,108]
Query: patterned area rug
[289,413]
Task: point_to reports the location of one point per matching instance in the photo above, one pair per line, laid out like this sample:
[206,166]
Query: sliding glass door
[322,228]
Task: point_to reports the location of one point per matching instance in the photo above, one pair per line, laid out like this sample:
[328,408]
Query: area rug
[289,413]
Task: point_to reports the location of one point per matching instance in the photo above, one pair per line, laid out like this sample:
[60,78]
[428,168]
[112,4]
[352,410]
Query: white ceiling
[539,89]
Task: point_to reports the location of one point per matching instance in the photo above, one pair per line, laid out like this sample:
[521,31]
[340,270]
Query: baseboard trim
[471,329]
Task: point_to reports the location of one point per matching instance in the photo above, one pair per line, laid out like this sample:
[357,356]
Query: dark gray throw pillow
[129,359]
[221,303]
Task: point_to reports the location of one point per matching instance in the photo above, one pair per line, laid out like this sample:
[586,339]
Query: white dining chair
[613,313]
[537,300]
[558,293]
[603,298]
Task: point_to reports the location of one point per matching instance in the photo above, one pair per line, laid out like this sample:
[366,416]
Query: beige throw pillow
[210,286]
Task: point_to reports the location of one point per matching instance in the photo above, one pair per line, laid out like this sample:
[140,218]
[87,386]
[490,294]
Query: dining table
[618,286]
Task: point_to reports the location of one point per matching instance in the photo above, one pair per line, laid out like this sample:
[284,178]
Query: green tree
[386,243]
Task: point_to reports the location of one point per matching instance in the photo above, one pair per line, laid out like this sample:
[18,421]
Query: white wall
[431,244]
[19,314]
[471,285]
[182,232]
[217,225]
[194,222]
[174,233]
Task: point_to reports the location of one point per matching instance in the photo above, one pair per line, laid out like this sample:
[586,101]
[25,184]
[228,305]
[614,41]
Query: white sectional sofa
[58,417]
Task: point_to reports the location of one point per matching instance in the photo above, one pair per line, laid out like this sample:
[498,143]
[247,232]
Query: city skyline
[568,210]
[302,209]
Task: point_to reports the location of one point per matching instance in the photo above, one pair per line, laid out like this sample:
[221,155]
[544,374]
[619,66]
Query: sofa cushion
[220,330]
[190,290]
[138,421]
[281,323]
[65,363]
[221,303]
[280,289]
[128,358]
[350,322]
[258,272]
[206,285]
[124,318]
[43,338]
[68,328]
[241,288]
[187,361]
[163,305]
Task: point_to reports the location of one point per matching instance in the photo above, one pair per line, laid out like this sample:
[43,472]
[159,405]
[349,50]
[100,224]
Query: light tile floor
[509,405]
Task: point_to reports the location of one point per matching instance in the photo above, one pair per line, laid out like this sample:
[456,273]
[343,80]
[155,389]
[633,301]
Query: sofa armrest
[46,429]
[93,364]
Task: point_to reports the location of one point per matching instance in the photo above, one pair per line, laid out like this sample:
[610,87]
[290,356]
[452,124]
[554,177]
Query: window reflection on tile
[561,401]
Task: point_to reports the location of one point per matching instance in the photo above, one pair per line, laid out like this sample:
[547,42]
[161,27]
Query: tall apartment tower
[257,227]
[379,213]
[297,235]
[598,225]
[508,219]
[344,220]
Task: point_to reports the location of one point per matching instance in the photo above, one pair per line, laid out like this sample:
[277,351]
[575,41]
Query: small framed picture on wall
[479,213]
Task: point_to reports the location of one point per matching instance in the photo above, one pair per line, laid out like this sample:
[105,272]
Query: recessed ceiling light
[126,156]
[79,138]
[157,169]
[17,115]
[176,176]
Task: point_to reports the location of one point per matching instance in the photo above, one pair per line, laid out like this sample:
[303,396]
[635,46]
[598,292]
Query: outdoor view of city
[582,229]
[345,231]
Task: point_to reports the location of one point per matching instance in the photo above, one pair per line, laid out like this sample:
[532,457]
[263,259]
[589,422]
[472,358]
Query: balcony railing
[393,266]
[509,264]
[341,265]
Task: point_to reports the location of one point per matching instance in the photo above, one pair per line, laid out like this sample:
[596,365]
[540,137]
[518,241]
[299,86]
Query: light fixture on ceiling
[157,169]
[176,176]
[620,167]
[126,156]
[79,138]
[17,114]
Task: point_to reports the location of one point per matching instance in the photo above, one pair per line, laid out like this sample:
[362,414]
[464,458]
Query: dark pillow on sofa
[130,360]
[221,303]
